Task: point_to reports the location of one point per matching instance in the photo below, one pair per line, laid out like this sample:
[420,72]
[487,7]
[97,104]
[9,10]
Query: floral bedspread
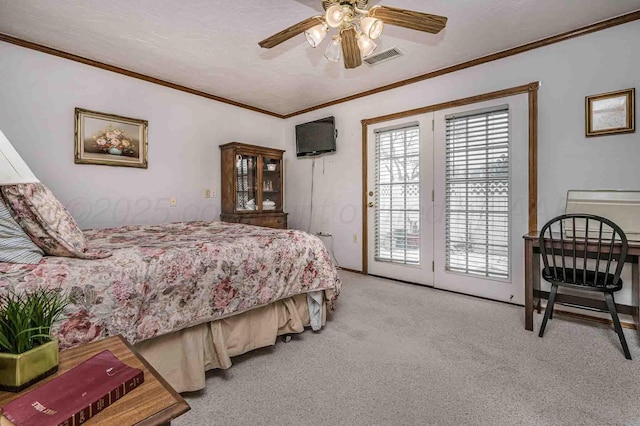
[164,278]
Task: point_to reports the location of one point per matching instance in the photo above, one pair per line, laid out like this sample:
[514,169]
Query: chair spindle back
[602,241]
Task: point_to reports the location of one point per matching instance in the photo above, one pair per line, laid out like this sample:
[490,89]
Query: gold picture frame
[610,113]
[110,139]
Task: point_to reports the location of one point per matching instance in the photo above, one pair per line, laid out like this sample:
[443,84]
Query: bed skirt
[183,357]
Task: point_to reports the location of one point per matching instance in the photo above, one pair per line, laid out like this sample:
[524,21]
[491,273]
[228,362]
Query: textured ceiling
[212,45]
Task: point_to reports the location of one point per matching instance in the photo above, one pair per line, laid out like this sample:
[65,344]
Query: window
[477,193]
[397,196]
[246,181]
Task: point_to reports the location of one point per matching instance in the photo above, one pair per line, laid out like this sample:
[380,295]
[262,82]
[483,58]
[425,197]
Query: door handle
[370,203]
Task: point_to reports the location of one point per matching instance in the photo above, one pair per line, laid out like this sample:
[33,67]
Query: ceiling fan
[357,28]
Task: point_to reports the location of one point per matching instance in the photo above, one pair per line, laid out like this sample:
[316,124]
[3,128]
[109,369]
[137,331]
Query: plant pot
[20,371]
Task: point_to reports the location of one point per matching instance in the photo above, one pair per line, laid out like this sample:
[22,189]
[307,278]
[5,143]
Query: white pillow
[15,244]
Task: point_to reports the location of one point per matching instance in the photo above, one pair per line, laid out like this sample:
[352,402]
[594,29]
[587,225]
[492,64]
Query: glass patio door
[399,188]
[481,197]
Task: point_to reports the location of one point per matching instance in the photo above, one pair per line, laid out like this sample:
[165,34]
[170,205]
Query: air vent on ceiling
[383,56]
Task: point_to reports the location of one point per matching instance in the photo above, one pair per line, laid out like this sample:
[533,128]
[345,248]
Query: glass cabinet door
[271,184]
[246,182]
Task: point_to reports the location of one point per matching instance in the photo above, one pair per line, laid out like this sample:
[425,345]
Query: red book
[77,395]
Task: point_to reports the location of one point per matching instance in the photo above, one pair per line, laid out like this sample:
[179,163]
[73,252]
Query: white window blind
[477,193]
[397,195]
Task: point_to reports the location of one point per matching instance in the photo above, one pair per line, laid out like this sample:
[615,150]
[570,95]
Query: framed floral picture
[110,139]
[610,113]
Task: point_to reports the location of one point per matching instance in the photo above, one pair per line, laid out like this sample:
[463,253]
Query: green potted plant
[27,351]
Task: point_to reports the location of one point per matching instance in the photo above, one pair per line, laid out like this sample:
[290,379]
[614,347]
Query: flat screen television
[316,137]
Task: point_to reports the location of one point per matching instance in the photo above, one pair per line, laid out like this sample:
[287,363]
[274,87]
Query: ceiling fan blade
[350,50]
[287,33]
[409,19]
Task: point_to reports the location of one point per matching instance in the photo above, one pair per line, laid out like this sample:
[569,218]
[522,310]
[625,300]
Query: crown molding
[76,58]
[599,26]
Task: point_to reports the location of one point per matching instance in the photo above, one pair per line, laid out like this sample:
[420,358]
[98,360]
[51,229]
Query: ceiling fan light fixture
[334,50]
[357,25]
[366,45]
[335,15]
[372,27]
[315,35]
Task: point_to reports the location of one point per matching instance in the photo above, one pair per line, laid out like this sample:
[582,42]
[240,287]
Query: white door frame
[531,89]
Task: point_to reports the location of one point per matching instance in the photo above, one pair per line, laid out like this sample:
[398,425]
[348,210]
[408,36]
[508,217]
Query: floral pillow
[46,221]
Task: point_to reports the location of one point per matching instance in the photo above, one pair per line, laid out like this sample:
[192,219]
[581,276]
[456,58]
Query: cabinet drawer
[269,222]
[251,221]
[279,222]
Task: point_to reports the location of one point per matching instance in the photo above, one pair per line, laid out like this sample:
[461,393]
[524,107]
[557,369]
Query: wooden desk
[154,402]
[533,294]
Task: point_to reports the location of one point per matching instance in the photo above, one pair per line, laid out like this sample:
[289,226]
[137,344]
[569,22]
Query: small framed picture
[610,113]
[110,139]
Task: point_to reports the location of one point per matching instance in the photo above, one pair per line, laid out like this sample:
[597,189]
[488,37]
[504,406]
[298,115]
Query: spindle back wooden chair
[587,252]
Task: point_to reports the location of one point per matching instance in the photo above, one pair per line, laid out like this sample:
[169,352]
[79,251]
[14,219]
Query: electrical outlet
[207,193]
[173,202]
[213,193]
[355,238]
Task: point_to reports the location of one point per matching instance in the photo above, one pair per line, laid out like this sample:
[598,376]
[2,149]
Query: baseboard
[596,304]
[624,324]
[350,270]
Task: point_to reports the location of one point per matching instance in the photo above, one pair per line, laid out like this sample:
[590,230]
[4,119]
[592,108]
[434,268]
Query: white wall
[38,94]
[600,62]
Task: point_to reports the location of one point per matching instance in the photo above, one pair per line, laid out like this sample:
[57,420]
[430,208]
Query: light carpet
[400,354]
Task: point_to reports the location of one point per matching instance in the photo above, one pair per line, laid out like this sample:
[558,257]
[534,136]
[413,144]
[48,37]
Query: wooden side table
[154,402]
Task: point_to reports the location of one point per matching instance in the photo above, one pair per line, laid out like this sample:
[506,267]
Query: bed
[188,295]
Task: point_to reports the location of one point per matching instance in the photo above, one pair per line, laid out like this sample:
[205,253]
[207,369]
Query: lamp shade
[334,16]
[334,49]
[366,45]
[372,27]
[13,169]
[315,35]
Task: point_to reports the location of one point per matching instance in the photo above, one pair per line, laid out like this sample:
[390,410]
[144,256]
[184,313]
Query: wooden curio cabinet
[252,185]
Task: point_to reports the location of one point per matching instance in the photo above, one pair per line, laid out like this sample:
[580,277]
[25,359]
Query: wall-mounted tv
[316,137]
